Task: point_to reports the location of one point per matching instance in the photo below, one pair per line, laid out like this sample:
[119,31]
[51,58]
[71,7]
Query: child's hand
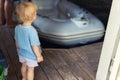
[40,58]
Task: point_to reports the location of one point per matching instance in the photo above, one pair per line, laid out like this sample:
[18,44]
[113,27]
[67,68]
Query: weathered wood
[78,63]
[50,70]
[10,45]
[63,57]
[11,72]
[40,74]
[60,65]
[90,55]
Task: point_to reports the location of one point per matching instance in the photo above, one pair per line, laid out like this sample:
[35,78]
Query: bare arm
[36,50]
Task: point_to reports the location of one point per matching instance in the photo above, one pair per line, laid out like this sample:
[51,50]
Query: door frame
[110,44]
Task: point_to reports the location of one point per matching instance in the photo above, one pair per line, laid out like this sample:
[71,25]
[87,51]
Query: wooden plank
[60,65]
[85,69]
[90,54]
[11,30]
[11,72]
[12,52]
[74,67]
[76,64]
[39,74]
[50,70]
[10,46]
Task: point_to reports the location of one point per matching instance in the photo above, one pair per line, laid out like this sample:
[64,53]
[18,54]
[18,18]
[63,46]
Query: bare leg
[30,73]
[2,16]
[24,71]
[9,9]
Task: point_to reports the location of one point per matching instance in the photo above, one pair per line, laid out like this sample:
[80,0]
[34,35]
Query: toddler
[27,41]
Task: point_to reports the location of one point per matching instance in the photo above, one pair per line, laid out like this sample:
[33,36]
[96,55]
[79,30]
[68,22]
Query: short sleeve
[34,39]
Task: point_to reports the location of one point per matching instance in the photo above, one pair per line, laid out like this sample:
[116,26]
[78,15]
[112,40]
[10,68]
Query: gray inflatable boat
[64,23]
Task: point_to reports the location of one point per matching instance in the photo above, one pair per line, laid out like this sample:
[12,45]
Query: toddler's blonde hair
[26,11]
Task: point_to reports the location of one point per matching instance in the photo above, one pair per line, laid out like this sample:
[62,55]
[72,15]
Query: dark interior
[100,8]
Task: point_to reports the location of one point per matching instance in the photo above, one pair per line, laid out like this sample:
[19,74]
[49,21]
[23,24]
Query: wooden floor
[78,63]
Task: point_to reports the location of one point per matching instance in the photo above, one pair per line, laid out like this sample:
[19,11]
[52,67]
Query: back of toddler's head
[26,11]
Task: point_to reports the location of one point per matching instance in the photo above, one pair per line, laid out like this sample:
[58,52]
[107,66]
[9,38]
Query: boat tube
[64,23]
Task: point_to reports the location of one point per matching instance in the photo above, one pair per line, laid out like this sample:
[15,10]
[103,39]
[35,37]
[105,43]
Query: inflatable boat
[64,23]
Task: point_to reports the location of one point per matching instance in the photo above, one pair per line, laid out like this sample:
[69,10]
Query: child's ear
[34,17]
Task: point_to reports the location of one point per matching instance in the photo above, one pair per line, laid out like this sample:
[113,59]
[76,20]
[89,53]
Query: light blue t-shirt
[26,37]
